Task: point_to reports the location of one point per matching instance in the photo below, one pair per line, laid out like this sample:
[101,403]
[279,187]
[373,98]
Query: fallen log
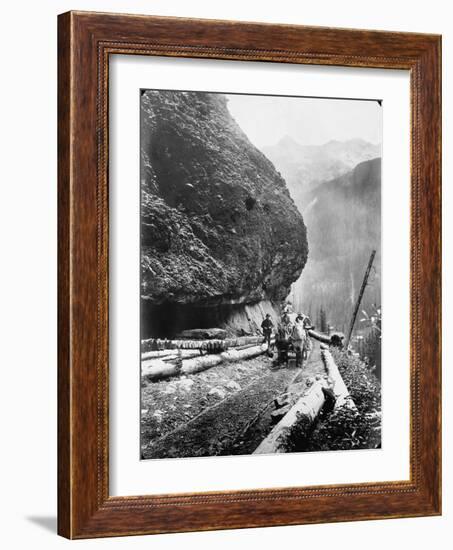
[203,334]
[305,410]
[157,344]
[157,369]
[172,354]
[246,346]
[166,353]
[341,392]
[323,338]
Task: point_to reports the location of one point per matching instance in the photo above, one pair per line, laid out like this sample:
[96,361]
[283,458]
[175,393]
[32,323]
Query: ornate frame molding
[86,40]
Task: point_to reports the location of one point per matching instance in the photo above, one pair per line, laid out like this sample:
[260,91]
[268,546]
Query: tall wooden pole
[359,299]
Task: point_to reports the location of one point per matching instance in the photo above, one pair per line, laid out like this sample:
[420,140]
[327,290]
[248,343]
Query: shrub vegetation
[345,428]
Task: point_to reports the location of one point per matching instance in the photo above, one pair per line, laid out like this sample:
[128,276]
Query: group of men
[290,335]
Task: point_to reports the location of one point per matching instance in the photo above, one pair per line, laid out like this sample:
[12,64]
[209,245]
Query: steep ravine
[343,217]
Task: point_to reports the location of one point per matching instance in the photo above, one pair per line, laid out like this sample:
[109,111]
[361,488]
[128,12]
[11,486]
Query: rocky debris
[232,385]
[170,389]
[185,384]
[218,392]
[219,228]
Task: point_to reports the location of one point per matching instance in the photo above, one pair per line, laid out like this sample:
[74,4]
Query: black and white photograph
[226,275]
[260,285]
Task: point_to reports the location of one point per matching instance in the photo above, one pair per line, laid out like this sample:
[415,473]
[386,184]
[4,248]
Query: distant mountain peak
[306,166]
[286,141]
[352,142]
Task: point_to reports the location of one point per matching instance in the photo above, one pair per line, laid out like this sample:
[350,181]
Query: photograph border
[85,42]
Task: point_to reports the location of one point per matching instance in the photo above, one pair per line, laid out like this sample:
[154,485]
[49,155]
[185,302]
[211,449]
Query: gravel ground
[168,404]
[222,411]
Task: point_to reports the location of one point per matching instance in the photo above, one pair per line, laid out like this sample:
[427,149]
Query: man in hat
[267,326]
[284,335]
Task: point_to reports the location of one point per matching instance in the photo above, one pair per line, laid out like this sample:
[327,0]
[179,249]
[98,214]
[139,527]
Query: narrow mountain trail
[239,421]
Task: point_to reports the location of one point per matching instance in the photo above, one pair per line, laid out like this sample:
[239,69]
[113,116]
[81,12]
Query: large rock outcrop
[219,228]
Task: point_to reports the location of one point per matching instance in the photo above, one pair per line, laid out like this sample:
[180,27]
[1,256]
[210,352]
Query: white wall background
[28,217]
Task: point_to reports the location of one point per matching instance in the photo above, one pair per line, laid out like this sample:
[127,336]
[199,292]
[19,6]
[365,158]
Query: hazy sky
[310,121]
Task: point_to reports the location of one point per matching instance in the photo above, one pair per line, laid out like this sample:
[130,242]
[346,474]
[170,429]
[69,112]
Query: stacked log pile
[157,369]
[216,345]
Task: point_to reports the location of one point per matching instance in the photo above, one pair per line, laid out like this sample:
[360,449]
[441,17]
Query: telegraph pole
[359,299]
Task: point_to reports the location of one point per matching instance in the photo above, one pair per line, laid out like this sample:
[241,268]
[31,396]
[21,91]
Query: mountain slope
[343,218]
[305,166]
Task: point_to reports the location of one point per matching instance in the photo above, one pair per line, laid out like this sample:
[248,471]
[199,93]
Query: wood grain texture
[64,369]
[85,42]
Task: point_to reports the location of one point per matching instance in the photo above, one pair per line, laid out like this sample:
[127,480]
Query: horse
[291,337]
[299,341]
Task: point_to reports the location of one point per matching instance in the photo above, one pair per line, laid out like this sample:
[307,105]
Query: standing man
[267,325]
[285,331]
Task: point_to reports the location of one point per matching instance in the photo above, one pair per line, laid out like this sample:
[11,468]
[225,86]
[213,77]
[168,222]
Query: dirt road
[235,424]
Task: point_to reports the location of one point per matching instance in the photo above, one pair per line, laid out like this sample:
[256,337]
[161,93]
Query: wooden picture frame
[85,42]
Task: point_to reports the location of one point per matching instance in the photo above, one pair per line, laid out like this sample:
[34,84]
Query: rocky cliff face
[219,229]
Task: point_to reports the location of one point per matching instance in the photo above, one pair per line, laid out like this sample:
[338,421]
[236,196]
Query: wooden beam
[306,409]
[321,337]
[341,392]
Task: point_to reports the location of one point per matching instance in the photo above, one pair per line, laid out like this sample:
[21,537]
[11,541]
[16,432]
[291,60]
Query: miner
[267,326]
